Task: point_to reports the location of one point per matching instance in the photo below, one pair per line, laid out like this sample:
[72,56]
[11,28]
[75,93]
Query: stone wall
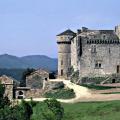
[8,82]
[35,80]
[64,55]
[99,59]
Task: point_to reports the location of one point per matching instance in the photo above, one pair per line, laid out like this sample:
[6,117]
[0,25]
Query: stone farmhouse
[35,85]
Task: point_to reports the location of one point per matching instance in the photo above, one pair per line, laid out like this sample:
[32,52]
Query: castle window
[93,49]
[118,68]
[98,65]
[61,62]
[61,72]
[104,36]
[109,51]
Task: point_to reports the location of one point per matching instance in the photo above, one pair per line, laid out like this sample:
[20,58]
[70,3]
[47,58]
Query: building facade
[91,52]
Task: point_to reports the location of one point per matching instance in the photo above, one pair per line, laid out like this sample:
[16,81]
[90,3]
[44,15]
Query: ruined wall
[8,82]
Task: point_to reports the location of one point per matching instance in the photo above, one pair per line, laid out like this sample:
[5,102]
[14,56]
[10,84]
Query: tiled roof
[67,32]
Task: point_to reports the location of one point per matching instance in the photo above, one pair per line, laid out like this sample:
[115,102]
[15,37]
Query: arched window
[20,92]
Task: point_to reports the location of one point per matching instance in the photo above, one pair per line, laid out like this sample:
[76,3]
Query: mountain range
[30,61]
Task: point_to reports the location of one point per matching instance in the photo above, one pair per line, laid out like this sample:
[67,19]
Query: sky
[29,27]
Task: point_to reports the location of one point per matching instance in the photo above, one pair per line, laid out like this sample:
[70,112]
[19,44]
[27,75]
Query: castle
[91,52]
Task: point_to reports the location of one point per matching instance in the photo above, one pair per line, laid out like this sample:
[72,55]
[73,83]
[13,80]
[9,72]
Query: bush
[9,112]
[48,110]
[75,77]
[60,94]
[97,87]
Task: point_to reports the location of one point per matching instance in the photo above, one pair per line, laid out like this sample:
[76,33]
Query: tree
[3,99]
[55,110]
[27,110]
[18,112]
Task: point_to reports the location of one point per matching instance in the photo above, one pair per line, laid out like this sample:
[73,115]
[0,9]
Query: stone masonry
[92,52]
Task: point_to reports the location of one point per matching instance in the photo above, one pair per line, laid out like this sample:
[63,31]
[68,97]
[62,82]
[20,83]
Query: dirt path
[82,94]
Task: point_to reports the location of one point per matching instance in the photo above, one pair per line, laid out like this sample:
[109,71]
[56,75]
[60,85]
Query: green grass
[60,94]
[86,111]
[97,87]
[111,93]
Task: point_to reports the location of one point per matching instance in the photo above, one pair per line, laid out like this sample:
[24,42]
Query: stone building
[91,52]
[9,84]
[36,79]
[35,85]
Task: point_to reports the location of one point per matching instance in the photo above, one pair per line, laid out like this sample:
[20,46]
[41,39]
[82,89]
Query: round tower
[64,53]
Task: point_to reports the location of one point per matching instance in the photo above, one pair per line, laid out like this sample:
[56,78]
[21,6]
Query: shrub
[60,94]
[97,87]
[48,110]
[75,77]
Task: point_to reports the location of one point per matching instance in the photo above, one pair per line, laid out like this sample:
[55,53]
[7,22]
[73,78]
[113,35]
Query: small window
[93,49]
[61,72]
[20,93]
[109,51]
[61,38]
[118,68]
[98,65]
[61,62]
[104,36]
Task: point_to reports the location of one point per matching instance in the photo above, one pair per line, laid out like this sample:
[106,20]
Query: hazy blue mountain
[31,61]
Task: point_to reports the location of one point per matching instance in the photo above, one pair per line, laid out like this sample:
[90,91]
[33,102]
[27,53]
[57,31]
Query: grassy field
[97,87]
[87,111]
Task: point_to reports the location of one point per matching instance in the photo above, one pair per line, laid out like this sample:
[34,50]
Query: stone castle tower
[91,52]
[64,52]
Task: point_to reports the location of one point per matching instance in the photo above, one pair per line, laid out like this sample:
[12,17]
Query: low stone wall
[34,93]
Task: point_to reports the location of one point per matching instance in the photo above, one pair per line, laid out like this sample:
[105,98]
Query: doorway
[113,80]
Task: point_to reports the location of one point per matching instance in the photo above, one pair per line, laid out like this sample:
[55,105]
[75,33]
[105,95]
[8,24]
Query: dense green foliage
[48,110]
[9,112]
[96,87]
[60,94]
[85,111]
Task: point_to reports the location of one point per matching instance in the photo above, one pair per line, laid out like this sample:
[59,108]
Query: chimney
[84,29]
[78,31]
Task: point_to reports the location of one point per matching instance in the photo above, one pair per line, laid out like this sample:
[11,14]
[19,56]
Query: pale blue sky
[30,26]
